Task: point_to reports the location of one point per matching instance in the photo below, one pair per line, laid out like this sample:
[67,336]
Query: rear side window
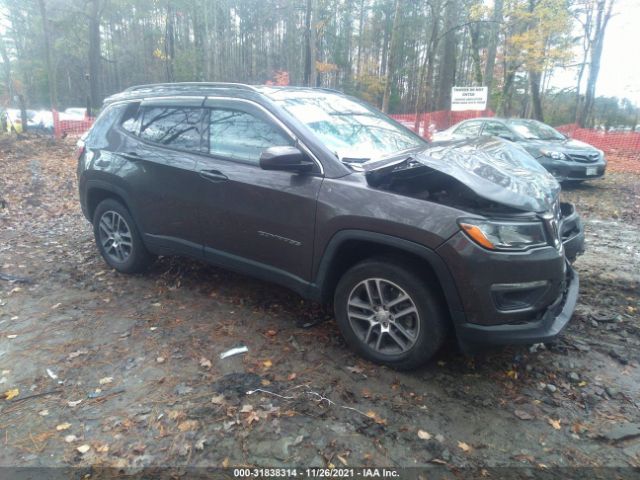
[173,127]
[97,135]
[238,135]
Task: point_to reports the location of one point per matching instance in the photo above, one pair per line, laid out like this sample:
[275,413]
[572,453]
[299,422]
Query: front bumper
[552,322]
[566,170]
[514,297]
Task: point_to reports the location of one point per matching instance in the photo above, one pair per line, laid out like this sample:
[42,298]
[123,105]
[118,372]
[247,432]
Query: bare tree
[603,13]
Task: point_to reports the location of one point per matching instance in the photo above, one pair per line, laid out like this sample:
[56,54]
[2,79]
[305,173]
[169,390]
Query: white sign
[469,98]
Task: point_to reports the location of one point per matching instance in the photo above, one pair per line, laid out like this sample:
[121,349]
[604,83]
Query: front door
[258,220]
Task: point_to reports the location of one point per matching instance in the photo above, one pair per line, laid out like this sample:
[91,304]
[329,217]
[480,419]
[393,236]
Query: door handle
[214,175]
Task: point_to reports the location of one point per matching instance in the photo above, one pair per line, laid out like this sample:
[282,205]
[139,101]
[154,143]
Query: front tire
[118,239]
[389,314]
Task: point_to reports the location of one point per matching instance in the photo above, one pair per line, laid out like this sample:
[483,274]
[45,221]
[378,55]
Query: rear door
[161,153]
[261,219]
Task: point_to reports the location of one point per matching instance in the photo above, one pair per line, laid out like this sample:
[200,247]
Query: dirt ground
[100,368]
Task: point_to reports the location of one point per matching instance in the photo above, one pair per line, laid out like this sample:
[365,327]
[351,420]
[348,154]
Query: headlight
[503,235]
[553,154]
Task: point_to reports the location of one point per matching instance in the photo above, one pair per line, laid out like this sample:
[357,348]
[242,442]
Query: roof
[204,89]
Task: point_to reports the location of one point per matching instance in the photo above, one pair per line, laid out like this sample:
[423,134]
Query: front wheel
[389,314]
[118,239]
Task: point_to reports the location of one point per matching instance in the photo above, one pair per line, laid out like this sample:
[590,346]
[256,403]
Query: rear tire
[118,239]
[389,314]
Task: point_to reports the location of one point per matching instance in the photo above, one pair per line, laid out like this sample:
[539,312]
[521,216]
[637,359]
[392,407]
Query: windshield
[534,130]
[354,131]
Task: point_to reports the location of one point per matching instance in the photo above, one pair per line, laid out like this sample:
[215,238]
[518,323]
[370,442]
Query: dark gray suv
[325,195]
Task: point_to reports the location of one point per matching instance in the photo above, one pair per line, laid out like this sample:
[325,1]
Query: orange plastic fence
[621,144]
[63,127]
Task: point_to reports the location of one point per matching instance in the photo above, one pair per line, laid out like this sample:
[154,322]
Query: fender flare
[437,264]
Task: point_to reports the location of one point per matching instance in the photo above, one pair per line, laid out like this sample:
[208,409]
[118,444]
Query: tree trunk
[493,44]
[448,62]
[391,63]
[309,40]
[536,101]
[46,40]
[6,66]
[169,44]
[604,9]
[95,61]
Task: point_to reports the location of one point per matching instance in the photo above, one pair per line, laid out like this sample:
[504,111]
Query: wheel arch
[349,247]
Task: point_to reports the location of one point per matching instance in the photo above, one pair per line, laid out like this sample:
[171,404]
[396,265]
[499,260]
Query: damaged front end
[487,177]
[511,256]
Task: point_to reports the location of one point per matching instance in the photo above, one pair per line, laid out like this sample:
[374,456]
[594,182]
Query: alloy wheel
[115,236]
[383,316]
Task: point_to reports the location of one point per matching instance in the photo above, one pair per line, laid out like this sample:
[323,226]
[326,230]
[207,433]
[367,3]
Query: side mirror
[289,159]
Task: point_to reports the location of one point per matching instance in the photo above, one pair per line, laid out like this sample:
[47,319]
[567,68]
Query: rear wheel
[118,239]
[389,314]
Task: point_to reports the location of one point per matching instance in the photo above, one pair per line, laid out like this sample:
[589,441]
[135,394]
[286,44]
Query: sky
[620,62]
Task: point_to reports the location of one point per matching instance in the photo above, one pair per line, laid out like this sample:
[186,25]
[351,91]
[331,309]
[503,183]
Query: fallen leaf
[267,364]
[12,336]
[77,353]
[176,415]
[422,435]
[106,380]
[246,408]
[554,423]
[342,459]
[83,448]
[225,462]
[43,413]
[70,438]
[217,399]
[75,403]
[52,375]
[104,448]
[54,307]
[63,426]
[272,333]
[292,376]
[160,359]
[523,415]
[205,362]
[464,447]
[355,369]
[11,394]
[200,444]
[188,425]
[376,418]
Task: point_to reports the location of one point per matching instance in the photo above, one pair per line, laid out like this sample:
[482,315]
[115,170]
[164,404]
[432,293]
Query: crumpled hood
[495,169]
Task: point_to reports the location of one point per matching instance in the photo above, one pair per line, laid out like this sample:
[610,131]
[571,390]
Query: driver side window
[238,135]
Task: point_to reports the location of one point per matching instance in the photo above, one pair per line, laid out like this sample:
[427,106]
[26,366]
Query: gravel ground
[98,368]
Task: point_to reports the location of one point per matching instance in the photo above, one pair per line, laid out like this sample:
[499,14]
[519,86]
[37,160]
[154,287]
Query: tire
[383,336]
[118,239]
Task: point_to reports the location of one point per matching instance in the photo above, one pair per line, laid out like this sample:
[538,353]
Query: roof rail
[240,86]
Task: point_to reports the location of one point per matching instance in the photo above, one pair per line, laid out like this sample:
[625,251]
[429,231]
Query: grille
[584,157]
